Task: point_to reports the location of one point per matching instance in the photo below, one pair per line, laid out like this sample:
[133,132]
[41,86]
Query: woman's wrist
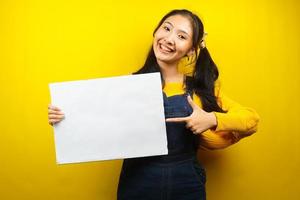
[213,120]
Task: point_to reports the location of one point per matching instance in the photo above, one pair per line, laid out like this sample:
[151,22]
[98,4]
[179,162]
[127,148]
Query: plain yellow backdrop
[255,44]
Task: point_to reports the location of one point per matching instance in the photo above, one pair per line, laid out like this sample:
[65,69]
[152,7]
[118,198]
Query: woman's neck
[170,72]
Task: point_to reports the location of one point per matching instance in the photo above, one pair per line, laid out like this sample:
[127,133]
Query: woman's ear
[191,52]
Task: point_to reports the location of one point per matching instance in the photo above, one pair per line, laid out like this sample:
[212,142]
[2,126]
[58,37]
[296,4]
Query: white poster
[109,118]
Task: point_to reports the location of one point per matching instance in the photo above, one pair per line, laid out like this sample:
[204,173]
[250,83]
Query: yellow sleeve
[238,122]
[239,119]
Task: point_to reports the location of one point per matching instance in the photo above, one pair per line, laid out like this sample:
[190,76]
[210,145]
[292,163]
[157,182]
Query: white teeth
[165,48]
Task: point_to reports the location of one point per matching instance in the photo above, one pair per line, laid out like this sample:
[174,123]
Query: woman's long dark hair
[206,72]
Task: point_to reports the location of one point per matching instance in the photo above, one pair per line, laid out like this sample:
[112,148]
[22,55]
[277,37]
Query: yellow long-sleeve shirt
[236,123]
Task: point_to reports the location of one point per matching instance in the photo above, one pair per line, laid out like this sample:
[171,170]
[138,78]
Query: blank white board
[109,118]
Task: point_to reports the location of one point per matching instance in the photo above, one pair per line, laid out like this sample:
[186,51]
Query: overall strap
[188,86]
[190,92]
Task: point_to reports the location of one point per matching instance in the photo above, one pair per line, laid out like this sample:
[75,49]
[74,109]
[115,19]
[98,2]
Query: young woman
[197,114]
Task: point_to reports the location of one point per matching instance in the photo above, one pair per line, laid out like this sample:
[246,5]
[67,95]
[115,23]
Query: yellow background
[255,43]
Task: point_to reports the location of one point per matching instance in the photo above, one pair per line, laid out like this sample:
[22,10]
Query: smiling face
[173,39]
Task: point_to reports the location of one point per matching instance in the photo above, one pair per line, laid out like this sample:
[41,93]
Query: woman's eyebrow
[179,29]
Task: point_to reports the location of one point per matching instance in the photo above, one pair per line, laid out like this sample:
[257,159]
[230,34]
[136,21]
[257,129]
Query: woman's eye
[166,28]
[181,37]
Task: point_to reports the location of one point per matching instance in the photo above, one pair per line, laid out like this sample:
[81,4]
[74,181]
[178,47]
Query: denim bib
[180,139]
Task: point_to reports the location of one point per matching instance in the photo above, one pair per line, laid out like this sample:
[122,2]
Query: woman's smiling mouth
[165,49]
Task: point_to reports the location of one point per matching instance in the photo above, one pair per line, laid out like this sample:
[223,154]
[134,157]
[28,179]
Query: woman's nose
[170,39]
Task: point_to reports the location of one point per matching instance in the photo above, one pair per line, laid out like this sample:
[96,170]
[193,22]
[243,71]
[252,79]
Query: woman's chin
[165,60]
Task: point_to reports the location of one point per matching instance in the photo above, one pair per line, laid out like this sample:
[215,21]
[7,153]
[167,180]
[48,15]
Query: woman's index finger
[177,119]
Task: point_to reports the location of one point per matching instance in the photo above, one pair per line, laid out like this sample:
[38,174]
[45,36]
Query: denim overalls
[176,176]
